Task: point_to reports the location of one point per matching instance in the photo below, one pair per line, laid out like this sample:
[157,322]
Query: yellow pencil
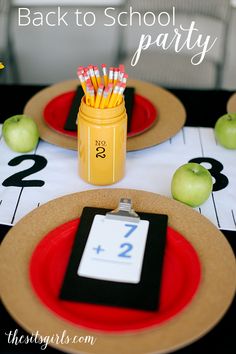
[81,68]
[104,98]
[92,96]
[110,87]
[124,79]
[97,75]
[99,95]
[111,75]
[104,71]
[86,74]
[113,98]
[93,78]
[88,93]
[116,75]
[120,94]
[121,72]
[88,85]
[88,98]
[82,80]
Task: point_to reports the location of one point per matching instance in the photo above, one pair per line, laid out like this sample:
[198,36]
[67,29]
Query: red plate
[56,112]
[180,280]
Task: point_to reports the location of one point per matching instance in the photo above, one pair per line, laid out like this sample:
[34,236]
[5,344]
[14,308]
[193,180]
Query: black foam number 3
[221,181]
[16,180]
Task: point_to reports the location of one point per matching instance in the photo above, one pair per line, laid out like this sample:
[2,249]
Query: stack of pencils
[104,91]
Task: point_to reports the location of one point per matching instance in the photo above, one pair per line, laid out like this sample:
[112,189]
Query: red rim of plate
[56,111]
[180,280]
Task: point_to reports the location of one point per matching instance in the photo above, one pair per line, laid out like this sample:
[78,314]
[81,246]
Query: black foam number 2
[221,181]
[16,180]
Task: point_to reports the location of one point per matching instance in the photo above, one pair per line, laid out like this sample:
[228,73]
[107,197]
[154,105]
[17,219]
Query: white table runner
[150,169]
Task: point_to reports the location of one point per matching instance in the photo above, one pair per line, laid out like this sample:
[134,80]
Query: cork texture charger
[207,307]
[231,104]
[171,115]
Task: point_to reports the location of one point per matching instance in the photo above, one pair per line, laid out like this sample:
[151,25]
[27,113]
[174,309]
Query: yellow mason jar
[102,135]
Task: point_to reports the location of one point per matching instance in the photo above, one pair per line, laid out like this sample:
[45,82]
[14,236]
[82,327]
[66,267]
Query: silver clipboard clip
[124,212]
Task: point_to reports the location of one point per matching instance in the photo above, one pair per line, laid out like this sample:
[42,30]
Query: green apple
[20,133]
[191,184]
[225,130]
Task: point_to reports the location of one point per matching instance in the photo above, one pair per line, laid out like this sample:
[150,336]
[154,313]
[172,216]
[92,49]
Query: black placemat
[70,123]
[143,295]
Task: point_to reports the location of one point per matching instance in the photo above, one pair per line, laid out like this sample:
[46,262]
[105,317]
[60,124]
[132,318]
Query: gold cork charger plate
[231,104]
[171,115]
[212,299]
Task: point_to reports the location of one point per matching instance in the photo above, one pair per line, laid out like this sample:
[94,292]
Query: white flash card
[114,250]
